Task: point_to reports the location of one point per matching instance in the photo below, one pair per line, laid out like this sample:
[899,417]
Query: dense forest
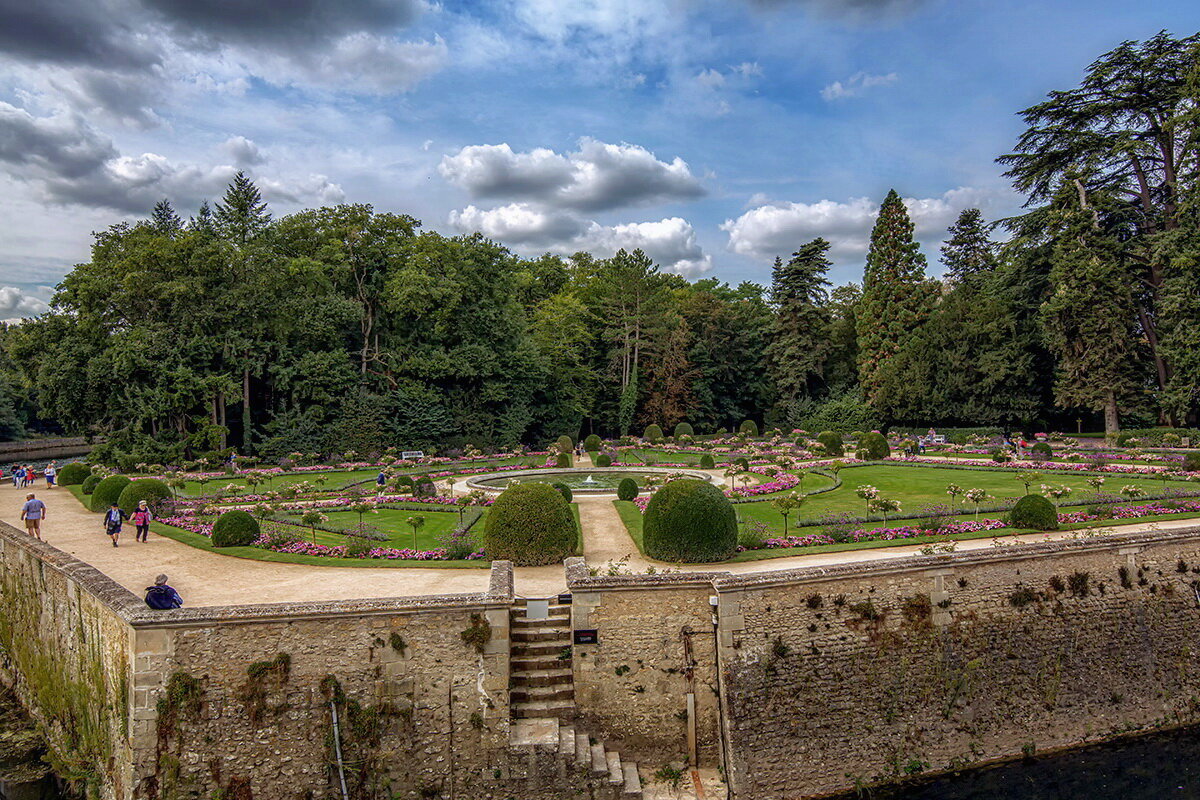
[343,327]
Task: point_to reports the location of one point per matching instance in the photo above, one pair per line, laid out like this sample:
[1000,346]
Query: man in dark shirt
[160,596]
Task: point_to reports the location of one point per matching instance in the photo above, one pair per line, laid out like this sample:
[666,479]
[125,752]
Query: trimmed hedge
[73,474]
[152,490]
[235,528]
[690,521]
[832,443]
[107,492]
[592,443]
[653,433]
[1191,462]
[530,524]
[627,489]
[683,429]
[604,460]
[1042,449]
[564,490]
[707,461]
[873,446]
[563,460]
[1035,512]
[742,463]
[89,484]
[564,444]
[748,427]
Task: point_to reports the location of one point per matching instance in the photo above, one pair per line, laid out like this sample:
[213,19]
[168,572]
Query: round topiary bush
[873,446]
[832,443]
[592,443]
[683,429]
[689,520]
[530,524]
[235,528]
[604,460]
[74,474]
[1034,512]
[742,463]
[564,490]
[1191,462]
[627,489]
[89,484]
[564,444]
[152,490]
[563,460]
[424,487]
[653,433]
[749,428]
[707,462]
[107,492]
[1041,450]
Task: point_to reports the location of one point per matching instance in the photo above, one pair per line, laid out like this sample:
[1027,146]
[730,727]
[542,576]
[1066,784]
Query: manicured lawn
[394,523]
[631,515]
[645,454]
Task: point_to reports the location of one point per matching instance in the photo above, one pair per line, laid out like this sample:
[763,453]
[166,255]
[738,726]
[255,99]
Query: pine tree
[242,214]
[165,220]
[968,252]
[203,221]
[896,297]
[799,344]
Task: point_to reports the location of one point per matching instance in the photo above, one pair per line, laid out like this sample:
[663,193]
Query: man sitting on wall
[160,596]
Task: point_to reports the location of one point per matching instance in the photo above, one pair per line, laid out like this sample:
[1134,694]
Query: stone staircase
[542,699]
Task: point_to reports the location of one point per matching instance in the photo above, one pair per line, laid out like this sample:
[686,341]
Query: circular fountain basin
[601,480]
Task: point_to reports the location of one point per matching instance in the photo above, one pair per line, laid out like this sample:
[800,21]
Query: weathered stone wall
[66,650]
[656,645]
[846,676]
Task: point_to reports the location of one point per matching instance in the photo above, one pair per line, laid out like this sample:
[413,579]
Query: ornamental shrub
[424,487]
[152,490]
[89,484]
[565,491]
[832,443]
[691,521]
[107,492]
[749,428]
[564,444]
[683,429]
[592,443]
[1034,512]
[707,462]
[1191,462]
[873,446]
[742,463]
[563,460]
[627,489]
[653,433]
[604,460]
[1000,456]
[1041,451]
[530,524]
[235,528]
[74,473]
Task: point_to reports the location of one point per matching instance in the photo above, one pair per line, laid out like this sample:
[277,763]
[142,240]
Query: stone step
[553,613]
[566,741]
[561,637]
[562,624]
[599,761]
[544,732]
[542,709]
[633,782]
[533,649]
[528,694]
[615,775]
[539,663]
[583,749]
[555,676]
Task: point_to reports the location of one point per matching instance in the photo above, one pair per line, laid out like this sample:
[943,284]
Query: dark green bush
[749,428]
[1191,462]
[690,521]
[563,460]
[1034,512]
[89,484]
[603,460]
[683,429]
[424,487]
[742,463]
[564,490]
[653,433]
[235,528]
[832,443]
[592,443]
[74,474]
[707,462]
[627,489]
[873,446]
[107,492]
[564,444]
[999,455]
[530,524]
[1042,450]
[152,490]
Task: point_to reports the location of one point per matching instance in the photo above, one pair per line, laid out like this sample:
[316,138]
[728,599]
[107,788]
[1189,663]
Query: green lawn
[394,523]
[667,456]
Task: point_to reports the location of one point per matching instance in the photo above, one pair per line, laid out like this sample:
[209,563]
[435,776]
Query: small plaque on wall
[587,636]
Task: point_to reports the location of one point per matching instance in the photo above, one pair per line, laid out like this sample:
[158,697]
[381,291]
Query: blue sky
[715,135]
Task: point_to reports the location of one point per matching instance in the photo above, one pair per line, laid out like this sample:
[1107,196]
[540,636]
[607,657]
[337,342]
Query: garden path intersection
[210,579]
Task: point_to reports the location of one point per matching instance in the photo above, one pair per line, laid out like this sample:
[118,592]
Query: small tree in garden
[883,506]
[1097,483]
[867,493]
[416,522]
[312,518]
[955,491]
[977,497]
[1027,479]
[745,480]
[731,472]
[461,502]
[176,482]
[362,508]
[1132,492]
[786,505]
[1056,493]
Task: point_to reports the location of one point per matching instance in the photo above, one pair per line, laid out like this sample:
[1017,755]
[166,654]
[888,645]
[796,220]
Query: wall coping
[580,580]
[133,610]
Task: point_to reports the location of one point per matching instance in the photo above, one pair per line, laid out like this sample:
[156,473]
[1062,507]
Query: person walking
[141,518]
[113,518]
[51,473]
[380,482]
[33,512]
[19,477]
[29,475]
[161,596]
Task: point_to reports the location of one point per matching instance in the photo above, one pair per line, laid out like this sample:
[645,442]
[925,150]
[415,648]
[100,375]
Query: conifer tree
[242,214]
[799,342]
[968,252]
[896,297]
[165,220]
[203,221]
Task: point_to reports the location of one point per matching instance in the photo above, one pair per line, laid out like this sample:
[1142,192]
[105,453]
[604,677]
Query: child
[141,519]
[51,472]
[112,522]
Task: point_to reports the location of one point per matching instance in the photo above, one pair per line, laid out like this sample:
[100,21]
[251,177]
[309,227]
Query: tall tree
[896,297]
[799,340]
[968,252]
[242,214]
[164,219]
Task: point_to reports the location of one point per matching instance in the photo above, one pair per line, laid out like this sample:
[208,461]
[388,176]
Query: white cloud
[15,305]
[670,243]
[597,176]
[856,84]
[362,63]
[243,151]
[777,229]
[519,224]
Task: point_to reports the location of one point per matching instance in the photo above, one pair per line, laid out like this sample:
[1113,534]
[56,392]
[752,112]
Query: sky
[713,134]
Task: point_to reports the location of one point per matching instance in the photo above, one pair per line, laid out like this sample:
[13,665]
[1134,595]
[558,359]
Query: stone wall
[841,677]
